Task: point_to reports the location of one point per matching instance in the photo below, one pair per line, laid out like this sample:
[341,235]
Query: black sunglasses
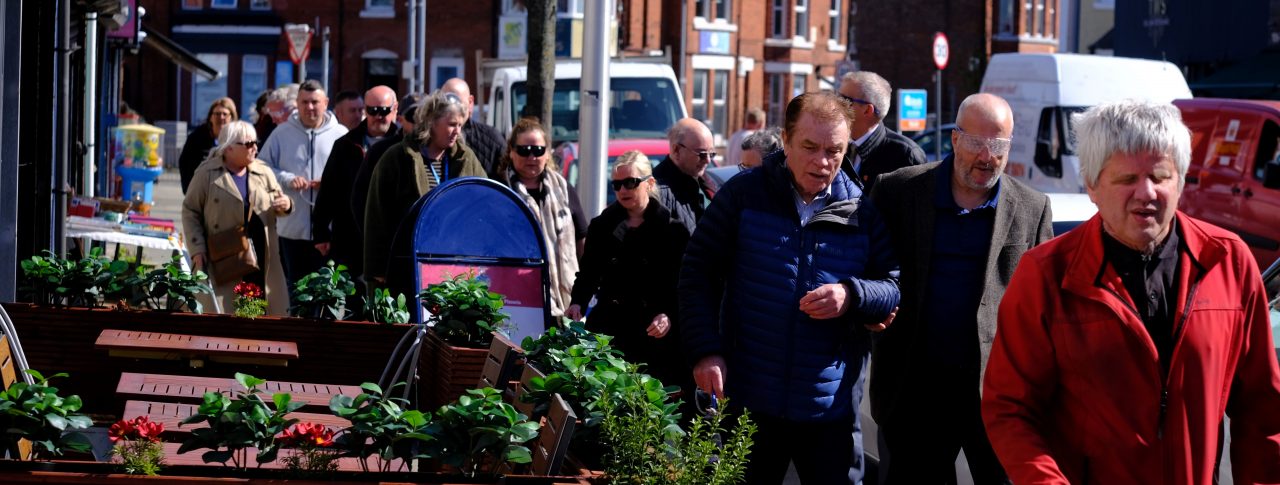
[531,150]
[377,110]
[630,183]
[249,144]
[862,101]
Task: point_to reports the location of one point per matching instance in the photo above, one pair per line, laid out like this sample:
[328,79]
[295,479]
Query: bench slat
[171,414]
[186,388]
[175,346]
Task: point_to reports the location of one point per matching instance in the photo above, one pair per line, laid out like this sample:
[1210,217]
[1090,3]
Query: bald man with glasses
[683,187]
[958,228]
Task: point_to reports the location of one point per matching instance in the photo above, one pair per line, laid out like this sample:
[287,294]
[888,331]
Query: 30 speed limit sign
[941,50]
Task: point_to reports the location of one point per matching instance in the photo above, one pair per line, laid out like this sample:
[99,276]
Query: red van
[1234,178]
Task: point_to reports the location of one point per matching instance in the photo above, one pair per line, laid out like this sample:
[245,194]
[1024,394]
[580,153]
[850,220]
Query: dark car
[928,139]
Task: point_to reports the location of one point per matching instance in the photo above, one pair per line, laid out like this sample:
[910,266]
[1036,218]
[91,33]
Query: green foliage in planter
[538,351]
[464,311]
[479,432]
[51,280]
[140,457]
[36,412]
[380,426]
[42,277]
[382,308]
[171,288]
[238,424]
[323,294]
[644,447]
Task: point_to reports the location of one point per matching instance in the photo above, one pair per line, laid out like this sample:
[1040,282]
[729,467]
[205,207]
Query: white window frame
[720,101]
[699,76]
[575,10]
[777,94]
[833,14]
[226,4]
[778,20]
[721,15]
[799,84]
[801,10]
[700,8]
[438,62]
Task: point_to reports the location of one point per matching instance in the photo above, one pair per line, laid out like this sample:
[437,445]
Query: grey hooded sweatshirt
[294,151]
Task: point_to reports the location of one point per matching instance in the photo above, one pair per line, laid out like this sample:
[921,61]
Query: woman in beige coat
[233,188]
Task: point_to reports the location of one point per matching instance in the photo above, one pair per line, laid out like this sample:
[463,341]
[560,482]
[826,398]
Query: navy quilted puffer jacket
[745,269]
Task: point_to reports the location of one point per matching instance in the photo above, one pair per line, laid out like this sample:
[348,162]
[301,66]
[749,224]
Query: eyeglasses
[709,155]
[630,183]
[249,144]
[377,110]
[998,147]
[862,101]
[530,150]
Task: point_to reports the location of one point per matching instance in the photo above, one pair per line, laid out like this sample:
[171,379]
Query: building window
[700,8]
[1041,13]
[802,19]
[777,95]
[260,4]
[379,4]
[1006,16]
[204,93]
[722,10]
[834,13]
[381,72]
[720,103]
[227,4]
[445,68]
[779,30]
[192,4]
[253,81]
[571,8]
[797,84]
[699,100]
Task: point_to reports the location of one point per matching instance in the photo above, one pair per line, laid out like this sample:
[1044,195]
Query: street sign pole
[941,51]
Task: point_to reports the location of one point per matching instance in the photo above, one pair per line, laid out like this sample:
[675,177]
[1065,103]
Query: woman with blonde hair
[204,138]
[230,190]
[631,266]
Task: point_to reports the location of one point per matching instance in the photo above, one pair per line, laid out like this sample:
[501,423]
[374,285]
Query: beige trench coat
[213,204]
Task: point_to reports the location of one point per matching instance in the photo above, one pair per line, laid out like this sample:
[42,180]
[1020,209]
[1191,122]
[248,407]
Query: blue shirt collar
[944,199]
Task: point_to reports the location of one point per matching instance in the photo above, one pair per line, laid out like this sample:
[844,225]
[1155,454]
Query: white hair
[874,87]
[1130,127]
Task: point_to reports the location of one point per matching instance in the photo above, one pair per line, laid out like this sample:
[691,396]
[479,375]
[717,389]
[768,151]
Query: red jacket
[1073,391]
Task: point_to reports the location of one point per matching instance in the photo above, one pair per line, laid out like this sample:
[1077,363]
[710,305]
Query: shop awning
[179,55]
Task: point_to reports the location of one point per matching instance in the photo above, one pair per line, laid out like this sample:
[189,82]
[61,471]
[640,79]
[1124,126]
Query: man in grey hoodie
[297,151]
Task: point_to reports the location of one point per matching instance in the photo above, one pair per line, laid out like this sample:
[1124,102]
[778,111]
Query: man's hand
[709,375]
[879,327]
[827,301]
[281,203]
[323,248]
[299,183]
[315,184]
[659,327]
[574,312]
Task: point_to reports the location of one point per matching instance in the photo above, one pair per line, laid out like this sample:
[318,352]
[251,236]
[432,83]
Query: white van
[1044,90]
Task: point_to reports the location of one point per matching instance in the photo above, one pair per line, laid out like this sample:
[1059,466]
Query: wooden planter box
[452,370]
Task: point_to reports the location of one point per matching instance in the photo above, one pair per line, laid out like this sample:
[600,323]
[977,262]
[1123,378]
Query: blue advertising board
[913,109]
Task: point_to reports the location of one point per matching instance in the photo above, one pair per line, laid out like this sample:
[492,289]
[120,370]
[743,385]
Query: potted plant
[323,294]
[382,308]
[381,427]
[37,413]
[42,277]
[249,300]
[313,449]
[479,433]
[238,424]
[137,444]
[171,288]
[51,280]
[464,315]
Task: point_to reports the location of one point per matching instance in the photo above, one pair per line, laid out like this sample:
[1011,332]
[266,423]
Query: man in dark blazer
[958,229]
[873,148]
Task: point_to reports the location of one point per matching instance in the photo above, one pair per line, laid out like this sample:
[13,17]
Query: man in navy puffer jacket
[785,274]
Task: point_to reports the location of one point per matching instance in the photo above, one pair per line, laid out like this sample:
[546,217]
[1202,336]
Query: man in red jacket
[1121,344]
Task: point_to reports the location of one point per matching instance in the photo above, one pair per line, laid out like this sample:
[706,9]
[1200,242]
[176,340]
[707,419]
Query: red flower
[248,290]
[307,434]
[139,428]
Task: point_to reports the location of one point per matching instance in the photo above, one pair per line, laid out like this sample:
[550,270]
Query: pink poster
[520,287]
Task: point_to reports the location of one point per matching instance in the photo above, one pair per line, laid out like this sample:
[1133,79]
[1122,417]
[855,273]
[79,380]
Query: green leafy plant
[479,432]
[382,308]
[170,287]
[381,426]
[37,413]
[537,350]
[238,424]
[464,311]
[42,277]
[137,444]
[323,294]
[644,447]
[52,280]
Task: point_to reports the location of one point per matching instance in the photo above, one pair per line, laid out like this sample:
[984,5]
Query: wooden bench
[196,348]
[171,415]
[552,444]
[523,389]
[195,457]
[192,389]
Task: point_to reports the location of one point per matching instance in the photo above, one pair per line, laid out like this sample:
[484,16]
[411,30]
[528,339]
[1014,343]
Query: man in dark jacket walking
[334,230]
[874,149]
[959,229]
[683,187]
[485,141]
[780,283]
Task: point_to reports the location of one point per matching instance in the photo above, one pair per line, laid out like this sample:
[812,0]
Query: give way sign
[941,50]
[299,37]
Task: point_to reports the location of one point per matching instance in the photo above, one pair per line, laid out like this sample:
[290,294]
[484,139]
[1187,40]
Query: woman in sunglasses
[548,195]
[233,189]
[631,264]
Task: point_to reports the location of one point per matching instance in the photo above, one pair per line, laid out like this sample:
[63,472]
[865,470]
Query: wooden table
[195,348]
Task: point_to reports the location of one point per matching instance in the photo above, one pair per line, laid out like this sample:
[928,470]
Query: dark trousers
[298,258]
[825,453]
[920,443]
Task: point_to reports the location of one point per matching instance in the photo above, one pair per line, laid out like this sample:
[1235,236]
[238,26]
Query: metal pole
[90,102]
[413,47]
[324,51]
[422,47]
[593,117]
[62,136]
[937,122]
[10,100]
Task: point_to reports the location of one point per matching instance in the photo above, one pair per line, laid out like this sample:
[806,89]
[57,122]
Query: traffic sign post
[299,38]
[913,109]
[941,53]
